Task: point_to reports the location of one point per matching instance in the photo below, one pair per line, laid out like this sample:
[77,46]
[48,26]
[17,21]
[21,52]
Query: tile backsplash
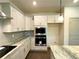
[18,36]
[11,38]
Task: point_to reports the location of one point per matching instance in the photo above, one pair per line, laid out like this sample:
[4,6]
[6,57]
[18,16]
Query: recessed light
[75,1]
[34,3]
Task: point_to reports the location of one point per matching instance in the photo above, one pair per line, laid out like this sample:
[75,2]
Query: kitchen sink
[5,49]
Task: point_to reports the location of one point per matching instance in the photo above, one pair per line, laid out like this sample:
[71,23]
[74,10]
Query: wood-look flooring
[38,55]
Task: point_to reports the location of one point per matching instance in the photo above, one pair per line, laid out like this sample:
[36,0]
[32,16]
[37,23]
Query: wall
[55,34]
[61,34]
[74,31]
[69,12]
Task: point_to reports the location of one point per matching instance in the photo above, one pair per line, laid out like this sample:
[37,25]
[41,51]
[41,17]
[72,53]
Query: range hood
[4,16]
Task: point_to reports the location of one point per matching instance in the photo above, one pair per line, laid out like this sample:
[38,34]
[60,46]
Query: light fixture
[2,14]
[61,18]
[75,1]
[34,3]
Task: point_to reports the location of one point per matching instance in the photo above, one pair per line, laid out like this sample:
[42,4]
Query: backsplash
[15,37]
[11,38]
[18,36]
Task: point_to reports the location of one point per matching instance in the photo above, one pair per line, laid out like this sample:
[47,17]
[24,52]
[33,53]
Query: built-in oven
[40,41]
[40,36]
[41,30]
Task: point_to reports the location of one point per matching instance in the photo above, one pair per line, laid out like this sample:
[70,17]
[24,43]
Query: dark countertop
[5,49]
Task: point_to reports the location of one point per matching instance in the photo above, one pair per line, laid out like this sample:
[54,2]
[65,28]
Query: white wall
[74,31]
[55,34]
[69,12]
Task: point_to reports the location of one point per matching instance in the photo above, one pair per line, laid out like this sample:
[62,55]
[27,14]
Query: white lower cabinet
[27,46]
[20,52]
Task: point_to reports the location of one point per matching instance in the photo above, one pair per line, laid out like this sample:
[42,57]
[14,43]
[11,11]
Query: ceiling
[42,5]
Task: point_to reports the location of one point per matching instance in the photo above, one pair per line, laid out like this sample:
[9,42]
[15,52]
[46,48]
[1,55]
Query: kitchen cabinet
[27,46]
[53,19]
[21,51]
[43,20]
[29,23]
[19,54]
[15,24]
[32,43]
[40,20]
[32,23]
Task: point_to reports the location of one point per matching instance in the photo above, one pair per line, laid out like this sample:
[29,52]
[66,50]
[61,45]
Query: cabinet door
[32,43]
[37,20]
[27,46]
[40,20]
[27,23]
[19,54]
[51,19]
[18,19]
[15,24]
[31,24]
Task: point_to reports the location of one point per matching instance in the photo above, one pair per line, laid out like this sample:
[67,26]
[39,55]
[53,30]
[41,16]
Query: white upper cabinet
[43,20]
[32,23]
[15,24]
[29,23]
[40,20]
[53,19]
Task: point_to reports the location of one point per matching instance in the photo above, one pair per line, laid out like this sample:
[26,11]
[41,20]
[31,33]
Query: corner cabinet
[15,24]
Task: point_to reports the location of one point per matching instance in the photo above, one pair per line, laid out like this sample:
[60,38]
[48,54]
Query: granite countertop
[72,50]
[66,52]
[18,44]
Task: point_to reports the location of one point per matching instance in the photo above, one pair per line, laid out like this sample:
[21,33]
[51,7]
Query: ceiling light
[34,3]
[75,1]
